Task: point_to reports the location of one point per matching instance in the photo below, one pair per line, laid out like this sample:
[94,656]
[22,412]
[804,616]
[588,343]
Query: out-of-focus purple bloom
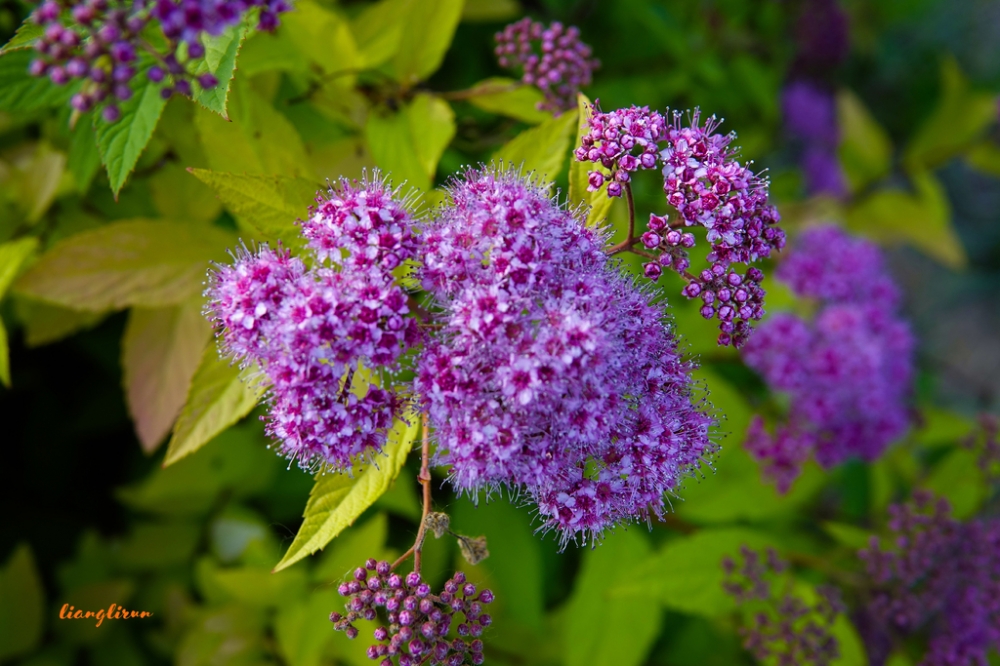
[848,371]
[822,37]
[553,59]
[823,172]
[810,113]
[938,574]
[784,629]
[553,373]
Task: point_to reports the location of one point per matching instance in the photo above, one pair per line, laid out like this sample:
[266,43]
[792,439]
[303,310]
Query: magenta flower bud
[614,189]
[196,50]
[687,240]
[406,618]
[657,223]
[734,279]
[595,179]
[111,113]
[486,596]
[652,270]
[692,289]
[38,67]
[412,579]
[351,632]
[650,240]
[673,238]
[708,312]
[207,81]
[58,75]
[155,74]
[183,87]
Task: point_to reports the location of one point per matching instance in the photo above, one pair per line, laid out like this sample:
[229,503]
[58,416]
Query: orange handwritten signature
[113,612]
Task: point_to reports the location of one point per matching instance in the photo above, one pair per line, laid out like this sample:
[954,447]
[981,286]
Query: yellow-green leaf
[270,204]
[598,203]
[392,145]
[12,257]
[865,150]
[960,117]
[22,604]
[259,140]
[44,323]
[541,150]
[220,60]
[337,500]
[490,11]
[985,157]
[161,350]
[432,125]
[509,98]
[378,30]
[178,196]
[322,36]
[133,262]
[430,27]
[217,399]
[922,219]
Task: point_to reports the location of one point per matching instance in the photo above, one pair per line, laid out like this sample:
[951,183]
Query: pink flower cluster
[310,330]
[708,187]
[552,372]
[553,59]
[848,371]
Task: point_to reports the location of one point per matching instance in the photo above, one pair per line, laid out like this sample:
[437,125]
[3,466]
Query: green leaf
[303,629]
[259,140]
[323,36]
[270,204]
[432,125]
[985,157]
[922,219]
[39,182]
[378,31]
[4,357]
[19,91]
[541,150]
[508,97]
[865,150]
[393,146]
[515,562]
[430,27]
[133,262]
[121,143]
[848,535]
[22,604]
[13,254]
[959,479]
[734,490]
[161,350]
[686,575]
[44,323]
[337,500]
[25,37]
[961,116]
[220,59]
[178,196]
[355,546]
[84,158]
[605,630]
[217,399]
[158,545]
[598,203]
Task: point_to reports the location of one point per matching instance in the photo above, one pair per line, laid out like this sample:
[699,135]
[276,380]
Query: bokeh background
[916,79]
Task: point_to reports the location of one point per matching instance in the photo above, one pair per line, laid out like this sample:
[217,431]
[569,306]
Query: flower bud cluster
[419,622]
[102,44]
[985,442]
[708,187]
[939,574]
[553,59]
[552,374]
[311,330]
[848,370]
[785,629]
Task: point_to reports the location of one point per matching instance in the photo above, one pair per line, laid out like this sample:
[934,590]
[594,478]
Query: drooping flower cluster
[311,331]
[848,371]
[103,44]
[784,629]
[938,574]
[708,187]
[985,442]
[553,59]
[811,119]
[419,621]
[552,373]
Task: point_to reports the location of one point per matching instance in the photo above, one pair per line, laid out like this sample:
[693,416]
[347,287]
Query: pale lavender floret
[553,59]
[849,371]
[549,358]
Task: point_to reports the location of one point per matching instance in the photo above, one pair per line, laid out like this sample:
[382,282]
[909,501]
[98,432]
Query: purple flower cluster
[310,330]
[811,119]
[985,441]
[553,59]
[848,371]
[419,621]
[708,187]
[101,43]
[939,574]
[785,629]
[552,372]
